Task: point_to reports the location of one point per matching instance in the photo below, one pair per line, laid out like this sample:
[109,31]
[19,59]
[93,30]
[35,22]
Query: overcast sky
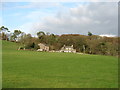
[100,18]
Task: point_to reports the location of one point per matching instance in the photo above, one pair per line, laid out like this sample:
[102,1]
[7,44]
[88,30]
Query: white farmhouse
[68,49]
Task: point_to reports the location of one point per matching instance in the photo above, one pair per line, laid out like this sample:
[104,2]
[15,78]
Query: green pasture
[32,69]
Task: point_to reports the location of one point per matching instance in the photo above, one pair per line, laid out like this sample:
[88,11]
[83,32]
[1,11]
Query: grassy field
[31,69]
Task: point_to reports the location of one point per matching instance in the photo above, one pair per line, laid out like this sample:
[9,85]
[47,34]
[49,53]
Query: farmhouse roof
[43,44]
[68,47]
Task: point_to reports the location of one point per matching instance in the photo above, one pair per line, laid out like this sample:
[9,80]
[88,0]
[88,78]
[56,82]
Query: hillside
[9,45]
[32,69]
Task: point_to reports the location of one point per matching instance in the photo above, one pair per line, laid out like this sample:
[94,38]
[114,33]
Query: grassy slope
[31,69]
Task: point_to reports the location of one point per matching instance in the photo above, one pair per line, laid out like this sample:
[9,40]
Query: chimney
[71,45]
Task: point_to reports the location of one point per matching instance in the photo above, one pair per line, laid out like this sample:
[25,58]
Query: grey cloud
[98,18]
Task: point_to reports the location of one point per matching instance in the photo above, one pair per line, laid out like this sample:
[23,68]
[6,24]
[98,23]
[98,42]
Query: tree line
[89,44]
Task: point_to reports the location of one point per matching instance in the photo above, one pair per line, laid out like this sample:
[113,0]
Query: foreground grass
[31,69]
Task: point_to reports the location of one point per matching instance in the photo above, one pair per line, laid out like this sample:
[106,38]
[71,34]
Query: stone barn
[43,47]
